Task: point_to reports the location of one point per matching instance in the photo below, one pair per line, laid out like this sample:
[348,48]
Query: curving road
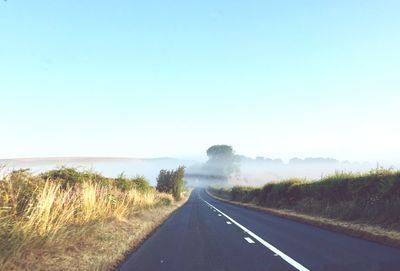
[207,234]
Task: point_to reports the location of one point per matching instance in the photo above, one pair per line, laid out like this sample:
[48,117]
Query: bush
[279,194]
[171,181]
[68,177]
[244,194]
[221,192]
[139,183]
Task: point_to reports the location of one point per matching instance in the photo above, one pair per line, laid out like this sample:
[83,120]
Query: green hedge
[373,197]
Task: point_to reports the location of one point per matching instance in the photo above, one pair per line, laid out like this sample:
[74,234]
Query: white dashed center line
[228,222]
[276,251]
[248,239]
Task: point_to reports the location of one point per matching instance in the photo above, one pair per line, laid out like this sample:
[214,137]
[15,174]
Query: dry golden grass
[44,226]
[99,246]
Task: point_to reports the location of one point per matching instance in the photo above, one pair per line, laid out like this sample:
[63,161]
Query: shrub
[221,192]
[139,183]
[171,181]
[68,177]
[244,193]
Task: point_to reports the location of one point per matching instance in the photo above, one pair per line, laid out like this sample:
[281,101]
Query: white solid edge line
[285,257]
[248,239]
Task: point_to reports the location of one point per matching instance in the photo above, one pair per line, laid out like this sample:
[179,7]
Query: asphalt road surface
[207,234]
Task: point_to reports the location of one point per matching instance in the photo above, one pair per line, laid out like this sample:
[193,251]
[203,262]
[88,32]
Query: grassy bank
[69,220]
[370,200]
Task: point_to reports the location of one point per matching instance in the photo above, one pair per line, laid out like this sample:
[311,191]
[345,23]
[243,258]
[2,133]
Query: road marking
[219,215]
[285,257]
[248,239]
[228,222]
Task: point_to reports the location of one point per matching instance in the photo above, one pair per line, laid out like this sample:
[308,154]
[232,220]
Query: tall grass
[372,198]
[35,210]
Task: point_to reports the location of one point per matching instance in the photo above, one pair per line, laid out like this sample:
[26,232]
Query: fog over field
[259,170]
[251,171]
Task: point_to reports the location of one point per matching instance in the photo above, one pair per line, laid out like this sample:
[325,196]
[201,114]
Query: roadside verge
[364,231]
[99,245]
[149,223]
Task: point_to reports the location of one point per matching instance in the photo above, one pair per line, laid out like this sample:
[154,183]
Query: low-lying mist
[241,170]
[258,171]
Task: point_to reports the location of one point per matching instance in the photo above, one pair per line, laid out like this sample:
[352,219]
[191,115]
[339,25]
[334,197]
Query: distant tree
[220,151]
[171,181]
[222,161]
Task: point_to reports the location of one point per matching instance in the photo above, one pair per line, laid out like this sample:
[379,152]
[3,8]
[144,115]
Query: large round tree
[221,161]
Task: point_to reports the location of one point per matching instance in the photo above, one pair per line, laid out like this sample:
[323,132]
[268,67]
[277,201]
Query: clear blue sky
[171,78]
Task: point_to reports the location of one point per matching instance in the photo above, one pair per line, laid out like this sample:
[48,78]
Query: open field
[65,219]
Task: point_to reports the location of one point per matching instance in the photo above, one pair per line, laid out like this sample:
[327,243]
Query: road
[207,234]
